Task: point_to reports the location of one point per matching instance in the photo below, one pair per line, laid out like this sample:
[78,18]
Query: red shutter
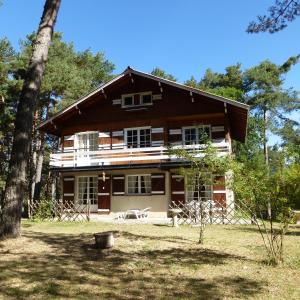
[68,189]
[158,184]
[219,191]
[104,192]
[118,185]
[177,188]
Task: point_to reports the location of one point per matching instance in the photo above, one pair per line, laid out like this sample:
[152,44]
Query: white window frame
[80,201]
[139,193]
[138,136]
[197,133]
[140,99]
[84,133]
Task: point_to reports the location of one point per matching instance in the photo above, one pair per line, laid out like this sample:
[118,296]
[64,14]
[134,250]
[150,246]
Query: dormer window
[140,99]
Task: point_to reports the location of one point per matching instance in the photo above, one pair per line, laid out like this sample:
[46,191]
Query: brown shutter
[118,139]
[68,189]
[219,191]
[217,133]
[104,192]
[68,143]
[104,141]
[118,185]
[158,184]
[157,137]
[175,136]
[177,188]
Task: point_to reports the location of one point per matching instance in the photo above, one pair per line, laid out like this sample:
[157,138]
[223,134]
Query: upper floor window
[138,137]
[196,134]
[137,99]
[87,141]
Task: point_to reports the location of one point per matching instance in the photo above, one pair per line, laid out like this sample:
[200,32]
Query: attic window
[137,99]
[128,100]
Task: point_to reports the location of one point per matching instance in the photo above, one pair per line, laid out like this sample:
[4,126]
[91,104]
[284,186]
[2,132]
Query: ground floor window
[138,184]
[199,188]
[88,190]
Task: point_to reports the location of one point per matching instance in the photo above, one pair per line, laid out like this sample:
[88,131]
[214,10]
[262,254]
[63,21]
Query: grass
[59,261]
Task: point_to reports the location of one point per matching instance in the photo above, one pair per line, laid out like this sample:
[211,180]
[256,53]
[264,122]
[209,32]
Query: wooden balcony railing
[102,157]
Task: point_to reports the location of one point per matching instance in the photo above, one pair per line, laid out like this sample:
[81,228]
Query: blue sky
[182,37]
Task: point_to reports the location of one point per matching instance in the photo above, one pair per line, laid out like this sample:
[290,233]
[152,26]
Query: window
[196,134]
[88,190]
[138,137]
[87,141]
[138,184]
[141,99]
[146,98]
[128,100]
[199,188]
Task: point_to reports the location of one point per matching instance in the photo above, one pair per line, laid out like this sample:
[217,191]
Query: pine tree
[16,180]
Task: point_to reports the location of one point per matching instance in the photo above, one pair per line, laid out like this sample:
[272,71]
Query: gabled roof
[129,71]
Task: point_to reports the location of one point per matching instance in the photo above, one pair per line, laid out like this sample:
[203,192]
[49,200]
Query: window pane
[93,141]
[132,138]
[145,138]
[146,99]
[145,184]
[132,182]
[203,134]
[190,136]
[128,100]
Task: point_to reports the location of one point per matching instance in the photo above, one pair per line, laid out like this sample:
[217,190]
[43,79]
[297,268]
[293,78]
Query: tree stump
[104,240]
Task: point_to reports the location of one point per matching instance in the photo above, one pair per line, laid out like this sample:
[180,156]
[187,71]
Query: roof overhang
[234,108]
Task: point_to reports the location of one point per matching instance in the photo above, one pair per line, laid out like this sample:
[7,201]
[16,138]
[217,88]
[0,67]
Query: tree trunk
[39,167]
[18,165]
[266,152]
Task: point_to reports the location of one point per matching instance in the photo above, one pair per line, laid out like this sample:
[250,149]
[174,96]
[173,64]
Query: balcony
[80,158]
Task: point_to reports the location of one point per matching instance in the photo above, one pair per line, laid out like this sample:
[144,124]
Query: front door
[104,193]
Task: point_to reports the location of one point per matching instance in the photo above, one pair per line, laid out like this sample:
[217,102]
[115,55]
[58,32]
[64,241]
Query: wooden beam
[79,111]
[160,87]
[130,75]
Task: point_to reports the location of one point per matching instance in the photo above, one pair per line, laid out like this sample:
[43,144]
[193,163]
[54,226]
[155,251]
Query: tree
[267,97]
[161,73]
[11,210]
[280,13]
[68,76]
[8,92]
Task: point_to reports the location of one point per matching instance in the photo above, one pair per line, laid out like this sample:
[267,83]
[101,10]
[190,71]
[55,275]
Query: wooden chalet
[114,142]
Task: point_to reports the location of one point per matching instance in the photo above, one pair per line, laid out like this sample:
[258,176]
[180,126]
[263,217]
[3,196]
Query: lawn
[59,261]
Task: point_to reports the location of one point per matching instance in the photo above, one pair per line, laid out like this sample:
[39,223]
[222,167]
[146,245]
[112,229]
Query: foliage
[44,210]
[161,73]
[203,163]
[259,190]
[69,74]
[280,13]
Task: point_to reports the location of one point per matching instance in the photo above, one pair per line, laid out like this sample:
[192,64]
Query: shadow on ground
[73,268]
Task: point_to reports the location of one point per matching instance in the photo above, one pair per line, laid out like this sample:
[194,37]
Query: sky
[183,37]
